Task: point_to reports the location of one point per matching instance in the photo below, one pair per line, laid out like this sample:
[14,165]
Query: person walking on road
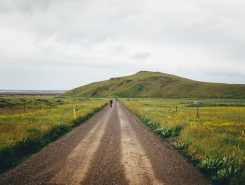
[111,101]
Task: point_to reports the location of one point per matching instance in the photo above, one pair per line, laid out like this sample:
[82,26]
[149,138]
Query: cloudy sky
[63,44]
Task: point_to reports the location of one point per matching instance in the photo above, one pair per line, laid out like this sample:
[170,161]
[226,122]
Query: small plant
[164,131]
[145,120]
[222,170]
[178,145]
[211,164]
[153,125]
[158,130]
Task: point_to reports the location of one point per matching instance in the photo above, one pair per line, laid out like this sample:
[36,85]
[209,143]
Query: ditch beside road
[113,147]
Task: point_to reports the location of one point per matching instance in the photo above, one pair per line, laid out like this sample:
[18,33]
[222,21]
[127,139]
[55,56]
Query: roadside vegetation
[24,132]
[210,133]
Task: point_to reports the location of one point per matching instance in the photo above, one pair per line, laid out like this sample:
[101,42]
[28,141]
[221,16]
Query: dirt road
[113,147]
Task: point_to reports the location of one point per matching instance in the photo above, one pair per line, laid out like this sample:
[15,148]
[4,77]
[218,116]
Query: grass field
[16,104]
[211,134]
[146,84]
[24,133]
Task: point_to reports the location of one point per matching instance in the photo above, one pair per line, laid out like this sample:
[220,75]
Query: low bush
[164,132]
[178,145]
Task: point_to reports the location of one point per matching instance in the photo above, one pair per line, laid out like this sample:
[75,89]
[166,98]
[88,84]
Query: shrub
[178,145]
[164,132]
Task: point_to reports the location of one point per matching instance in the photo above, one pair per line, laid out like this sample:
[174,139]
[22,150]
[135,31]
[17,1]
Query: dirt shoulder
[113,147]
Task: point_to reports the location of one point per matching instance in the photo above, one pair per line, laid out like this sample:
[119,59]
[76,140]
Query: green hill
[155,85]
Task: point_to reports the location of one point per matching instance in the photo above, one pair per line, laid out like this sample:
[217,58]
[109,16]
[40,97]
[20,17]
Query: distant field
[24,101]
[16,104]
[31,92]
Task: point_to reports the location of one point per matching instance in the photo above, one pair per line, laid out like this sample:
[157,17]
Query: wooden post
[13,109]
[197,111]
[197,103]
[176,109]
[24,108]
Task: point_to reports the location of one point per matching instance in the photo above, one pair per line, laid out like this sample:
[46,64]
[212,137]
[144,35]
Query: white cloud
[140,56]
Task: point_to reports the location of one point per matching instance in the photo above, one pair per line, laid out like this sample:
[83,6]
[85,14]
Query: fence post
[197,111]
[74,113]
[238,120]
[197,103]
[13,109]
[24,108]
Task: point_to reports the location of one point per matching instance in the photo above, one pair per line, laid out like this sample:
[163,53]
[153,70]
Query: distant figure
[111,101]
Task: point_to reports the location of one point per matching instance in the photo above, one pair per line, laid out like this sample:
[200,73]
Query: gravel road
[113,147]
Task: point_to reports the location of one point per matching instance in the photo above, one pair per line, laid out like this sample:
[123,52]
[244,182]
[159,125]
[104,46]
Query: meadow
[210,134]
[33,126]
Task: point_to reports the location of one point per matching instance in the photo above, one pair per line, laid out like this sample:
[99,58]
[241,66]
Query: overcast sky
[64,44]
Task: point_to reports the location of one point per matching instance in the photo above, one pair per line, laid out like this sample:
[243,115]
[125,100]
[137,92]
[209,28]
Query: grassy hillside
[155,85]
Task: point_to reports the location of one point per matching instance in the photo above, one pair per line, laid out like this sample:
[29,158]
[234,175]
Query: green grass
[146,84]
[26,133]
[214,140]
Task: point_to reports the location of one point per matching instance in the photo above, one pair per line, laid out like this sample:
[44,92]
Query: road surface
[113,147]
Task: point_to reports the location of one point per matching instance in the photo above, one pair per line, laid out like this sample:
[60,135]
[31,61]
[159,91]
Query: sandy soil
[113,147]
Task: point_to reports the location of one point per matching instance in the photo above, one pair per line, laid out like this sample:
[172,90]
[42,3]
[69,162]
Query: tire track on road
[138,168]
[106,167]
[78,162]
